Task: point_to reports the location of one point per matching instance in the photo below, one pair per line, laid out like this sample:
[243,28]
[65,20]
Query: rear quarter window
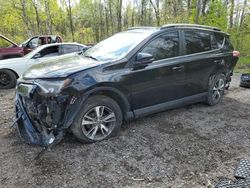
[223,42]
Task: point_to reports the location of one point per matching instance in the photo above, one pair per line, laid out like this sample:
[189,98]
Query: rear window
[197,41]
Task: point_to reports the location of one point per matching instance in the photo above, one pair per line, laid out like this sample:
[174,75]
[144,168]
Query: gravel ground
[187,147]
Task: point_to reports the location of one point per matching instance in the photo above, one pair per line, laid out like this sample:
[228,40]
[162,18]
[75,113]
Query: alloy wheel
[218,89]
[98,123]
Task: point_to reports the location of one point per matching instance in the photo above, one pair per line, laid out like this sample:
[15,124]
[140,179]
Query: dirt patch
[187,147]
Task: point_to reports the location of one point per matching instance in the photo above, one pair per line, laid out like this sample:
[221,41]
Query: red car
[9,49]
[36,41]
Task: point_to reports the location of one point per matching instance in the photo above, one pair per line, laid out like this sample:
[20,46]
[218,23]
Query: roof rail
[190,25]
[142,27]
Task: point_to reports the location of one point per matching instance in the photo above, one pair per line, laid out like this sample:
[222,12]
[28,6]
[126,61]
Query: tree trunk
[34,2]
[49,24]
[133,16]
[231,14]
[243,13]
[107,20]
[69,8]
[157,11]
[111,16]
[142,12]
[119,16]
[25,18]
[198,8]
[204,4]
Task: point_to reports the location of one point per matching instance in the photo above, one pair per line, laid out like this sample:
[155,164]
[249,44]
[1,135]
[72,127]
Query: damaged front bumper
[42,119]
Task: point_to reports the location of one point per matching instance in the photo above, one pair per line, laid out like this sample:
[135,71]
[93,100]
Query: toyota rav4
[132,74]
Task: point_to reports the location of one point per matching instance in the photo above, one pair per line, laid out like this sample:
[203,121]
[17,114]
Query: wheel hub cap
[218,89]
[98,122]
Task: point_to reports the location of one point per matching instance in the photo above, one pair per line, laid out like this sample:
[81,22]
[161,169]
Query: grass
[243,65]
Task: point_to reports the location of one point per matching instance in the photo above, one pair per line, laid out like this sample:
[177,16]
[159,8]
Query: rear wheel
[99,119]
[216,89]
[7,79]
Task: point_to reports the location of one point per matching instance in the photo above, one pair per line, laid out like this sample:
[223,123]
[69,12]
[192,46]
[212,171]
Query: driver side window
[163,47]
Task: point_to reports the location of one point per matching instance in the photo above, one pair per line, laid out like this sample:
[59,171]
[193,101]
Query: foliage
[89,21]
[243,65]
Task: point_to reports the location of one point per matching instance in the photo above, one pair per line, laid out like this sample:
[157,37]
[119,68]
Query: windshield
[117,46]
[24,42]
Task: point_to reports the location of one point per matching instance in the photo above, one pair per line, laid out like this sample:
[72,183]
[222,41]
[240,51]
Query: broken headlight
[52,86]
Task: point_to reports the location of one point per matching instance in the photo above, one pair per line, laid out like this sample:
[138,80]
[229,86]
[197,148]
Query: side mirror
[37,55]
[143,59]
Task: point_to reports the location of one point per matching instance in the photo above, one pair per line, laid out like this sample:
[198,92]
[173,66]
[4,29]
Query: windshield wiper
[91,57]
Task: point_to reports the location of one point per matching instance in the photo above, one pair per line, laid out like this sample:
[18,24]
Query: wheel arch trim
[17,76]
[116,95]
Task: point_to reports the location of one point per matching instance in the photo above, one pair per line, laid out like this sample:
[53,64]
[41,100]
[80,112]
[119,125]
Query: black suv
[134,73]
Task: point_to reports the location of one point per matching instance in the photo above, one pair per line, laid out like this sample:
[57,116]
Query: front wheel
[216,89]
[99,119]
[8,79]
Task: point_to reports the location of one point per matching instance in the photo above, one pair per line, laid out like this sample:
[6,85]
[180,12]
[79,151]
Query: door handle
[179,68]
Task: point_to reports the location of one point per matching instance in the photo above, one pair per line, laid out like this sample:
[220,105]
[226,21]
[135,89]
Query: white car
[12,69]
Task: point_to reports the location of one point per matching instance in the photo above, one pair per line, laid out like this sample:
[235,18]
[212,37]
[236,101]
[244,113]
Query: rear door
[164,79]
[202,59]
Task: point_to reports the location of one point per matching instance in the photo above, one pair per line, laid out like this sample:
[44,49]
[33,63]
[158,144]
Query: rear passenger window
[69,49]
[197,41]
[164,46]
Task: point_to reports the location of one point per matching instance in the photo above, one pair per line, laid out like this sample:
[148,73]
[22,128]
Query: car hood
[5,38]
[12,61]
[60,67]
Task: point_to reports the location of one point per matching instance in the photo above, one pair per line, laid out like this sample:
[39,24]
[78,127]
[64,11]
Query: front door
[164,79]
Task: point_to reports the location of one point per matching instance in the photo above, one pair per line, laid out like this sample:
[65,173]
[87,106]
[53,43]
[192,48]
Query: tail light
[236,53]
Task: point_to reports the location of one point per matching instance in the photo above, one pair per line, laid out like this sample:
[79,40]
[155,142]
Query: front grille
[41,109]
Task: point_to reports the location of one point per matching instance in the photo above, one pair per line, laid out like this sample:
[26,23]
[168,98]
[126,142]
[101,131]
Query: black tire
[80,131]
[216,89]
[8,79]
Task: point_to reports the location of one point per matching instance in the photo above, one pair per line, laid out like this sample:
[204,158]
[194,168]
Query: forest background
[90,21]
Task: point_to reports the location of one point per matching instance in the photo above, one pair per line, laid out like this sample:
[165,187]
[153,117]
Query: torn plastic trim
[28,131]
[73,110]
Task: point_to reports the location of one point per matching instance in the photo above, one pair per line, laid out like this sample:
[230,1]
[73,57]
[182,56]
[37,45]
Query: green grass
[243,65]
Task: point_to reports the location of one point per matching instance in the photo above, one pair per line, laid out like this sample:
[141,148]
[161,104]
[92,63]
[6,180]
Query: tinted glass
[50,51]
[70,49]
[227,45]
[164,46]
[214,43]
[223,42]
[220,39]
[197,41]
